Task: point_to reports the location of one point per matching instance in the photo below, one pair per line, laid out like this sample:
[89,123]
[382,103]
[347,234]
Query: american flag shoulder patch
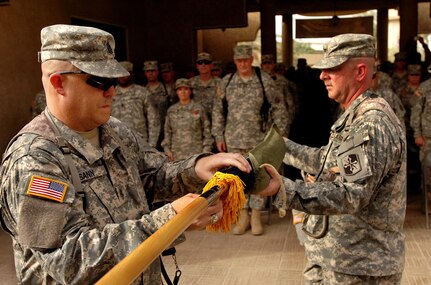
[47,188]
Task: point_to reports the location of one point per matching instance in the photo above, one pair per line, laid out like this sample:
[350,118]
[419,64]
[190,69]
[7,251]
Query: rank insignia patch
[351,164]
[47,188]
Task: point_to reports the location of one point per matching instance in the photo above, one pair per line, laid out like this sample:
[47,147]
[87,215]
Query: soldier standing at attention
[247,101]
[421,123]
[205,84]
[158,93]
[131,106]
[286,87]
[355,208]
[187,127]
[74,181]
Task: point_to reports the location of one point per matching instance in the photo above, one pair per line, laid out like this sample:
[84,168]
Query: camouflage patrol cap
[204,56]
[414,69]
[217,65]
[182,82]
[400,56]
[268,58]
[151,65]
[242,52]
[166,66]
[127,65]
[89,49]
[345,46]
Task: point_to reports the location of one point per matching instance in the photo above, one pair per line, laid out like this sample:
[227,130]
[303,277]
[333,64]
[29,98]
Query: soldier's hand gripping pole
[270,151]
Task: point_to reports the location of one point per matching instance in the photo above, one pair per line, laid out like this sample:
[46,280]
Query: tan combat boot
[256,223]
[243,223]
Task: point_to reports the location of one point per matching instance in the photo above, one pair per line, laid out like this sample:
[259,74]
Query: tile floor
[273,258]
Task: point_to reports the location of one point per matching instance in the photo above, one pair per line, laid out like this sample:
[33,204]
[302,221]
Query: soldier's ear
[57,83]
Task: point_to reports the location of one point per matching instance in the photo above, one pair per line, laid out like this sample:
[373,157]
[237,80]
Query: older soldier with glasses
[74,182]
[355,208]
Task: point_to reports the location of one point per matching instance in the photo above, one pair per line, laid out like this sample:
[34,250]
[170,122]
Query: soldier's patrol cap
[242,52]
[414,69]
[341,48]
[151,65]
[166,66]
[182,82]
[268,58]
[127,65]
[217,65]
[87,48]
[204,56]
[400,56]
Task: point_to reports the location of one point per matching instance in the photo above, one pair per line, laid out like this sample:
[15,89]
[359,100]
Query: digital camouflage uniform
[421,117]
[242,128]
[286,88]
[385,91]
[79,238]
[187,130]
[361,186]
[131,106]
[39,103]
[205,92]
[159,98]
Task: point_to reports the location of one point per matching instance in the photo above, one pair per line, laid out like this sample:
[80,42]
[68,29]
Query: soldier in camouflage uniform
[38,104]
[74,182]
[241,95]
[131,106]
[187,127]
[205,85]
[421,122]
[356,206]
[217,69]
[382,86]
[168,76]
[399,75]
[159,95]
[286,87]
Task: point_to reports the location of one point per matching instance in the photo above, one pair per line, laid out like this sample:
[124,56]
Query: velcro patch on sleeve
[47,188]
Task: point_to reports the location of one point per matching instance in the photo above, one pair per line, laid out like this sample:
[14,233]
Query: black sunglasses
[101,83]
[203,62]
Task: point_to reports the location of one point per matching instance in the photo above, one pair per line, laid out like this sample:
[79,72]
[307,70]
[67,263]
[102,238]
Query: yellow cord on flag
[233,198]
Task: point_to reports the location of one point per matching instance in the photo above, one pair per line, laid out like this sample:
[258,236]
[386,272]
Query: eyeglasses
[204,62]
[101,83]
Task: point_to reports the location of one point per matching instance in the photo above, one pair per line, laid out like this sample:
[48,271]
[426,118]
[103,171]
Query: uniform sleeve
[218,119]
[207,138]
[415,117]
[154,127]
[57,232]
[362,167]
[278,108]
[167,132]
[302,157]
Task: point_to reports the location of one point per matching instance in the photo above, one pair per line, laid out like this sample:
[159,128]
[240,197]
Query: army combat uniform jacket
[361,187]
[63,235]
[187,130]
[131,106]
[242,128]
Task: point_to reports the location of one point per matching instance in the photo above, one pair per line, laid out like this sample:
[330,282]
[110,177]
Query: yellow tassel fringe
[232,196]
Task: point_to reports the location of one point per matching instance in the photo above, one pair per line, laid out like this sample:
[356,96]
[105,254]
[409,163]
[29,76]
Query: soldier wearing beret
[355,208]
[74,181]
